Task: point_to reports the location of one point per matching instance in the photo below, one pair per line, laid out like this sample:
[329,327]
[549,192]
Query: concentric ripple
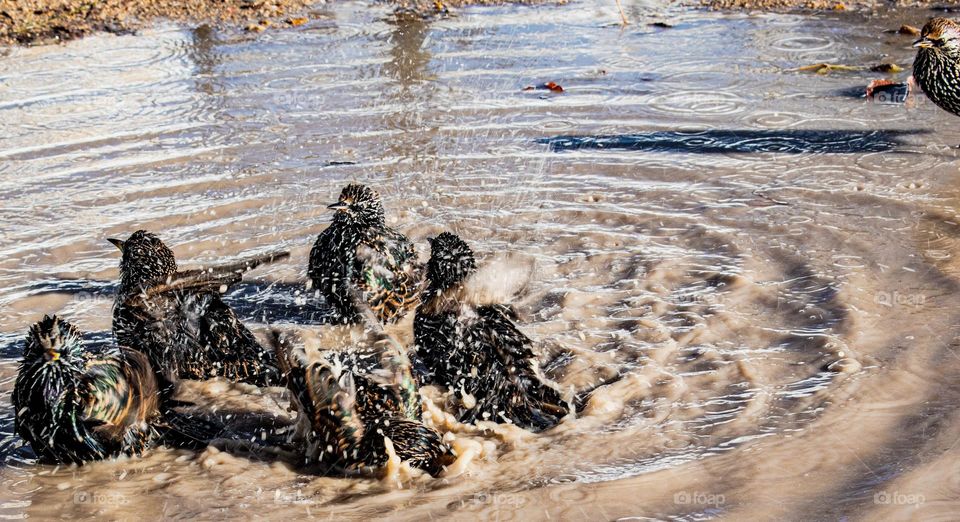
[745,280]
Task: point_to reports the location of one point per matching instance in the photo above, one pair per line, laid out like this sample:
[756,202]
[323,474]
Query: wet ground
[765,261]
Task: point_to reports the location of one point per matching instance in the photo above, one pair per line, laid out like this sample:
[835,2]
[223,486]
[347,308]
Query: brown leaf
[887,68]
[553,87]
[297,21]
[909,30]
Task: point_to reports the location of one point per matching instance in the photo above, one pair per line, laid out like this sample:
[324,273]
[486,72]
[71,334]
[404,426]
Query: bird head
[359,205]
[451,261]
[144,261]
[54,341]
[940,35]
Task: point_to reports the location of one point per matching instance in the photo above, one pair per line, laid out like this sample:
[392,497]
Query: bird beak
[923,43]
[338,206]
[117,243]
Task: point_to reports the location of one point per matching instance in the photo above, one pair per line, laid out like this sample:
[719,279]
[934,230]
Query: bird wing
[508,381]
[387,272]
[231,347]
[120,399]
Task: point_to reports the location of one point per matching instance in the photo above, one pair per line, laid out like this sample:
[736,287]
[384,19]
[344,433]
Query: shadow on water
[257,301]
[204,54]
[747,141]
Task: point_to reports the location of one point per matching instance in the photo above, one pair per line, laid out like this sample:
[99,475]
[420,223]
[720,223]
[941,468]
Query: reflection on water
[787,141]
[747,274]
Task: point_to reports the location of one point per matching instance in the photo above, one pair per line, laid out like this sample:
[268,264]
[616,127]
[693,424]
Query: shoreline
[40,22]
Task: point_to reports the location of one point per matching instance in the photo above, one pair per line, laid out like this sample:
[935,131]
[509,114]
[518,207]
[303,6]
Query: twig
[623,16]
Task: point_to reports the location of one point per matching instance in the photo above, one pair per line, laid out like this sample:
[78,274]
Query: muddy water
[763,264]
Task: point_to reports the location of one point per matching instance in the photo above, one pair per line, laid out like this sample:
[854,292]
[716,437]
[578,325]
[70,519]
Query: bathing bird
[359,250]
[467,341]
[180,321]
[937,65]
[356,408]
[73,404]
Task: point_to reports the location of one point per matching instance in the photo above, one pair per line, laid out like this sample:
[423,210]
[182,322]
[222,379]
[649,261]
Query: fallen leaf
[553,87]
[887,68]
[909,30]
[297,21]
[825,68]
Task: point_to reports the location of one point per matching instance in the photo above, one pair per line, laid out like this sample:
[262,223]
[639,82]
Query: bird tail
[326,399]
[528,398]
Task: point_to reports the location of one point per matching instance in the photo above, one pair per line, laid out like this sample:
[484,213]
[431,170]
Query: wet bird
[937,65]
[180,321]
[359,250]
[355,409]
[467,341]
[74,405]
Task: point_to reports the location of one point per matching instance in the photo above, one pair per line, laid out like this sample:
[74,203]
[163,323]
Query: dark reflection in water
[203,53]
[725,141]
[408,60]
[413,94]
[254,301]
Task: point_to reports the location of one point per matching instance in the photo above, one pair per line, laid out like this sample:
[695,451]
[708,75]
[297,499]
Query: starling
[471,345]
[73,405]
[350,403]
[937,65]
[179,320]
[359,250]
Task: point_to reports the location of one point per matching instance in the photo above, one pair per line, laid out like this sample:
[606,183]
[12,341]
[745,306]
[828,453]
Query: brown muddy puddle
[765,262]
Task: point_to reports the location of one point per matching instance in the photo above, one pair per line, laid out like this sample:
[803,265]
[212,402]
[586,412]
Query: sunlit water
[761,262]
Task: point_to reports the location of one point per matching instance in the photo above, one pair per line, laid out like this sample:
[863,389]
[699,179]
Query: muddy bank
[33,22]
[937,8]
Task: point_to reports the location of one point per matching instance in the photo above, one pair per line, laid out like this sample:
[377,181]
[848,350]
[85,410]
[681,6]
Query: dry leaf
[297,21]
[887,68]
[909,30]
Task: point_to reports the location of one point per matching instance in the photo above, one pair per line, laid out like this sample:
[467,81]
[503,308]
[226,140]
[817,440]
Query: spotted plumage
[351,403]
[358,249]
[73,405]
[937,65]
[471,345]
[180,321]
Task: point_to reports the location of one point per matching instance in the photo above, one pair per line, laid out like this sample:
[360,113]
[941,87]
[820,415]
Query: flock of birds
[74,404]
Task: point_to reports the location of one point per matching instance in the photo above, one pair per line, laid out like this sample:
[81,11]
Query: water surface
[762,262]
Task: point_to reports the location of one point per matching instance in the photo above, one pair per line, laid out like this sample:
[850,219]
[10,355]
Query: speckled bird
[73,405]
[937,65]
[351,403]
[358,249]
[181,322]
[468,342]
